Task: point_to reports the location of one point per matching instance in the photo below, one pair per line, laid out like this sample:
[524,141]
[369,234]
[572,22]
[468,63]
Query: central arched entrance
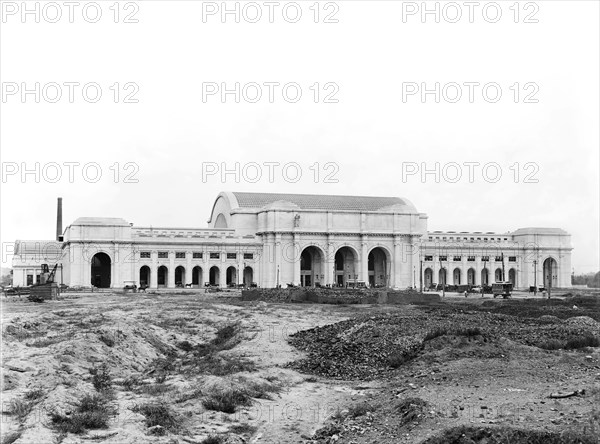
[180,276]
[214,275]
[378,268]
[231,276]
[101,270]
[162,276]
[197,276]
[145,276]
[311,266]
[550,273]
[346,266]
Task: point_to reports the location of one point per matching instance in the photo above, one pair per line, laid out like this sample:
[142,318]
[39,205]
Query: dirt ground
[154,349]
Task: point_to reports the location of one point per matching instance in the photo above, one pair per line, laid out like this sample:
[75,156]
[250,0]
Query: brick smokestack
[59,220]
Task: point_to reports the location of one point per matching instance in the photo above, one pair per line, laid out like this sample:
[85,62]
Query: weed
[101,378]
[359,410]
[93,412]
[213,439]
[243,429]
[411,409]
[226,399]
[158,415]
[107,340]
[34,395]
[20,408]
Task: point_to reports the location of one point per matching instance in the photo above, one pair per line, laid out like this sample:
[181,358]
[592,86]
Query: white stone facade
[277,239]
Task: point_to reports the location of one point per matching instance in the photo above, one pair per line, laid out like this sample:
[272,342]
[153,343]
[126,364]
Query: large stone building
[275,239]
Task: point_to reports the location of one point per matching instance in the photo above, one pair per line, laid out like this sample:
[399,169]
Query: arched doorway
[214,275]
[512,277]
[163,276]
[179,276]
[101,270]
[498,275]
[248,276]
[346,266]
[456,275]
[231,276]
[442,276]
[197,276]
[428,277]
[550,273]
[311,266]
[145,276]
[470,276]
[378,267]
[485,277]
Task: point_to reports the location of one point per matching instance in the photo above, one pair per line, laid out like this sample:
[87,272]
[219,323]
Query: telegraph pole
[534,277]
[421,275]
[503,275]
[445,278]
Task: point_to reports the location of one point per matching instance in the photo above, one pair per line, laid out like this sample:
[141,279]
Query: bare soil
[171,349]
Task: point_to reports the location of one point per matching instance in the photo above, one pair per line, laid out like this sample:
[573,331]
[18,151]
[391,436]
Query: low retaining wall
[339,296]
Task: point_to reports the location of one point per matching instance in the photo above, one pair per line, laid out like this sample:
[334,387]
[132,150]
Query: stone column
[188,268]
[477,271]
[296,263]
[396,266]
[171,282]
[154,269]
[329,263]
[364,262]
[277,259]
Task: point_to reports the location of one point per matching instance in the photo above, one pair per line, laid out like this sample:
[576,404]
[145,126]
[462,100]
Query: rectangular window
[197,255]
[457,258]
[163,254]
[231,255]
[498,259]
[485,258]
[428,258]
[471,258]
[180,255]
[443,258]
[144,254]
[215,255]
[29,279]
[512,259]
[248,256]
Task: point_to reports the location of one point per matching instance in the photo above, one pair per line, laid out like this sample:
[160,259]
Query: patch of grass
[226,399]
[223,365]
[154,389]
[92,412]
[445,331]
[224,335]
[397,358]
[101,378]
[34,395]
[20,408]
[186,346]
[582,342]
[158,415]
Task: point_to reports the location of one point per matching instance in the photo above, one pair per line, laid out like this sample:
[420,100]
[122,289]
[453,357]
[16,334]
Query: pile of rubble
[367,347]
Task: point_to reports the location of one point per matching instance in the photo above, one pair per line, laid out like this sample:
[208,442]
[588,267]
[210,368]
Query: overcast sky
[546,146]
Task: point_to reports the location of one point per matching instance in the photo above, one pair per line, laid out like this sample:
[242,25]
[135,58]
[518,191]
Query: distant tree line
[590,279]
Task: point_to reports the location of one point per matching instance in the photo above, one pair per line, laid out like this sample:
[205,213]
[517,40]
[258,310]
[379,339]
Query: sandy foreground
[164,350]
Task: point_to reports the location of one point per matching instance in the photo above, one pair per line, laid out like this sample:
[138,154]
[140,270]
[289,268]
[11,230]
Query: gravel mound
[367,347]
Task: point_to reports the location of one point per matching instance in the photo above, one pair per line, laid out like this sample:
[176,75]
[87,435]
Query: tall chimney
[59,220]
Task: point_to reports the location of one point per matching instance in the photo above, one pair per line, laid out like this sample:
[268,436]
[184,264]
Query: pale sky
[366,60]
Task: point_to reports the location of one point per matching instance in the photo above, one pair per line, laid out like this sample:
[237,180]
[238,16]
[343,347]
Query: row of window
[195,255]
[470,239]
[471,258]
